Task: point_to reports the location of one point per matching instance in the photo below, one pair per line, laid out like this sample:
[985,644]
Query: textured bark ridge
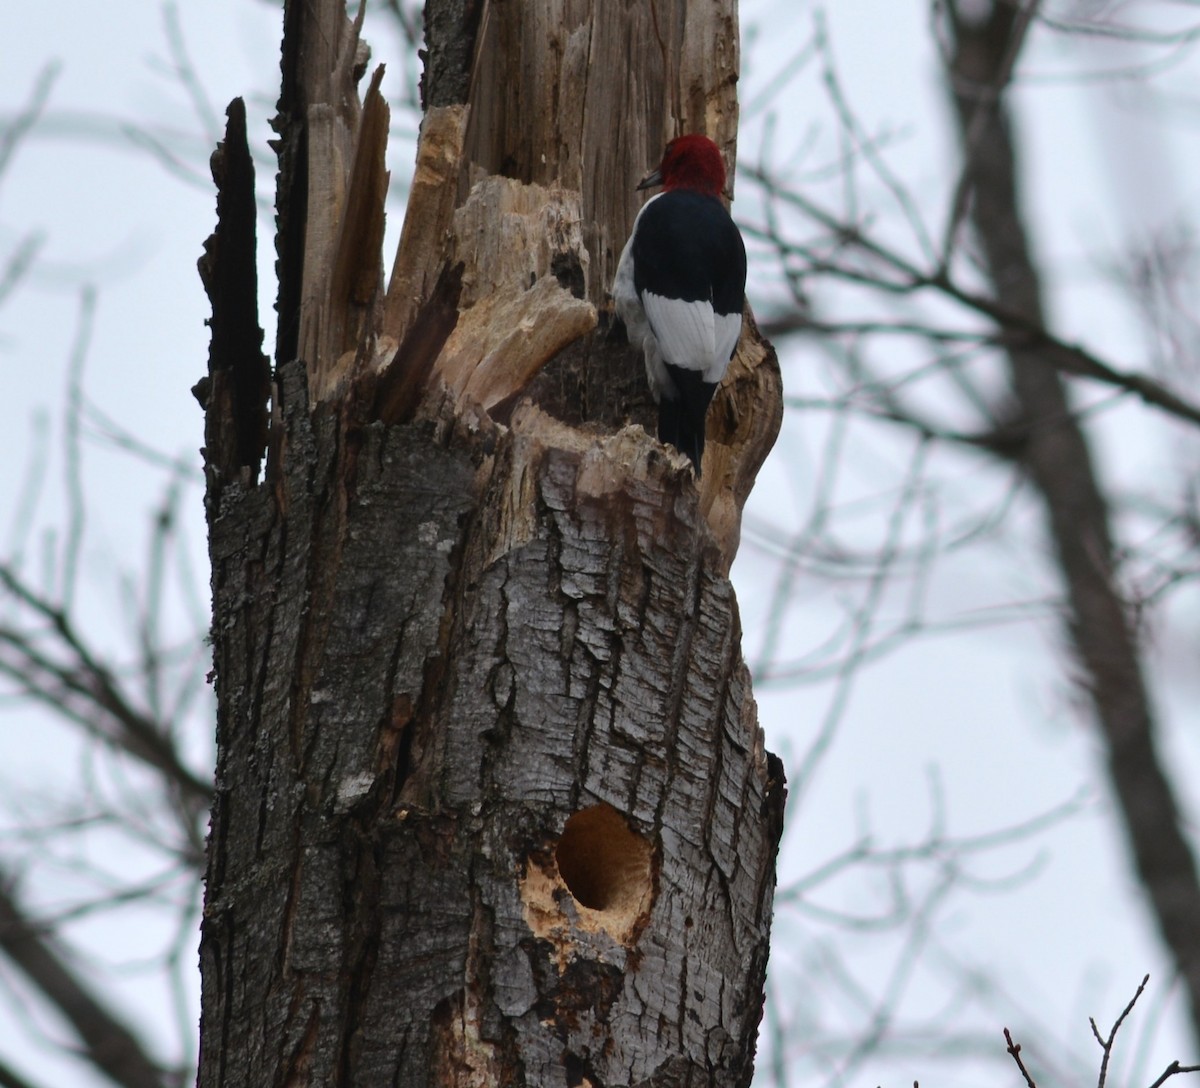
[492,806]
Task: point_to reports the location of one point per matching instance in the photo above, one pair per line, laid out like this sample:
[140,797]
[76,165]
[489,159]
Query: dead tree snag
[492,801]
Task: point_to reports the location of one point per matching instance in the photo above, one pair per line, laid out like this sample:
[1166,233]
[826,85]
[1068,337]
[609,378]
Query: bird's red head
[689,162]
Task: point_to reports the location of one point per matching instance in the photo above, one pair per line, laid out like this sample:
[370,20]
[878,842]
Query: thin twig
[76,504]
[864,619]
[1172,1069]
[867,146]
[31,489]
[19,127]
[1068,358]
[1106,1045]
[186,73]
[85,678]
[1015,1050]
[19,263]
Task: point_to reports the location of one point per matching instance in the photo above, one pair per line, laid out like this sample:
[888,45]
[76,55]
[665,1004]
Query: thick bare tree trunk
[1053,450]
[492,804]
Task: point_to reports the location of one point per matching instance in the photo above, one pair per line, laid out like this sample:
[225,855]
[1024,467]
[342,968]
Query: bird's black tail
[681,421]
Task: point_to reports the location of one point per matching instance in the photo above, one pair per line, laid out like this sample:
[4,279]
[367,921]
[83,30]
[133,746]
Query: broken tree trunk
[492,801]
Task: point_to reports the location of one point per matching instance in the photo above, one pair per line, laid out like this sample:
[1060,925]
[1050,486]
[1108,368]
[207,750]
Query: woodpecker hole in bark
[605,865]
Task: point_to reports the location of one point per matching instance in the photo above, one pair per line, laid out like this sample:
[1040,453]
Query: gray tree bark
[492,804]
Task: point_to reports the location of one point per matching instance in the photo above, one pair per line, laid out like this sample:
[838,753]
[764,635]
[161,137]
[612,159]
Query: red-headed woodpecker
[680,287]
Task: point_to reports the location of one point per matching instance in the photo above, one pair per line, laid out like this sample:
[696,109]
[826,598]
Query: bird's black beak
[650,180]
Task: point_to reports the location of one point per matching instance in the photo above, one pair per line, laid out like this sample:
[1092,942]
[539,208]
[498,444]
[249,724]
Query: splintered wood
[493,805]
[514,315]
[510,236]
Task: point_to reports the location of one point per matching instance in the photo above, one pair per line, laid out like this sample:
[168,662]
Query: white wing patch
[685,330]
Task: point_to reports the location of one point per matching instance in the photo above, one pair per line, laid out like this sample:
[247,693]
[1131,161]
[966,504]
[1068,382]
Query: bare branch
[773,86]
[76,503]
[1015,1050]
[1057,456]
[1018,330]
[1106,1045]
[867,147]
[108,1043]
[902,970]
[85,691]
[185,71]
[1171,1070]
[19,263]
[31,489]
[987,99]
[107,430]
[1104,26]
[863,624]
[19,127]
[10,1078]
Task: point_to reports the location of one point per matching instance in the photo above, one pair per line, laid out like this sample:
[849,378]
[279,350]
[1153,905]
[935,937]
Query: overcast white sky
[115,178]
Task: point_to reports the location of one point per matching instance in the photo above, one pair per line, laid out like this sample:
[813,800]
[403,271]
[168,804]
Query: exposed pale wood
[545,113]
[578,93]
[330,65]
[431,203]
[468,603]
[548,110]
[743,422]
[514,315]
[356,273]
